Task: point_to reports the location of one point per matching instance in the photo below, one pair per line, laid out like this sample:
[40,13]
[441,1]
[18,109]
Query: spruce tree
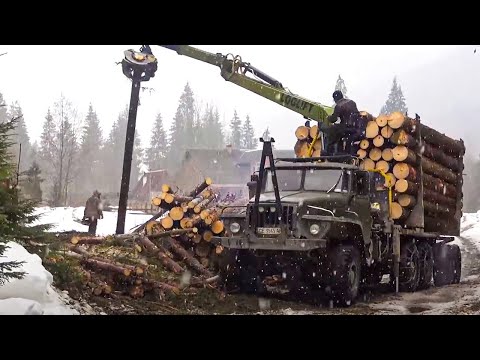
[31,181]
[340,85]
[395,101]
[248,135]
[236,131]
[15,213]
[157,151]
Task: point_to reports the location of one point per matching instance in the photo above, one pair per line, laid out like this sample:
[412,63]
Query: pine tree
[340,85]
[15,213]
[395,101]
[89,156]
[20,137]
[47,154]
[212,136]
[156,153]
[3,110]
[248,135]
[182,130]
[236,131]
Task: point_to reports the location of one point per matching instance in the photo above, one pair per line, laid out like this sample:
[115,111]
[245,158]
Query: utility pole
[137,66]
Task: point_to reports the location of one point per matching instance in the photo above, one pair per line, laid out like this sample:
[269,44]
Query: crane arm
[233,69]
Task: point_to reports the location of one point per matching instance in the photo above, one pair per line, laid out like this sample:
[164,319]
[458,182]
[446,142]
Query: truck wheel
[409,269]
[425,265]
[238,269]
[443,265]
[345,267]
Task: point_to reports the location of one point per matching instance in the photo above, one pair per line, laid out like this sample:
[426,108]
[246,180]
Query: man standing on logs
[351,125]
[93,212]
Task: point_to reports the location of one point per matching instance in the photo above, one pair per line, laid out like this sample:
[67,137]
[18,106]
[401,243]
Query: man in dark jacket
[351,124]
[93,212]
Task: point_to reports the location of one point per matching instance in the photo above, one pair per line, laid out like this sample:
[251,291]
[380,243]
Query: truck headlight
[314,229]
[234,227]
[261,209]
[273,209]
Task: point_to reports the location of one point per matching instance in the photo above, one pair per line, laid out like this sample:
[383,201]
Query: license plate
[269,231]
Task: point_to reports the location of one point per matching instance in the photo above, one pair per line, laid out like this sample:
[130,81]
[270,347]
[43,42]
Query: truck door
[378,194]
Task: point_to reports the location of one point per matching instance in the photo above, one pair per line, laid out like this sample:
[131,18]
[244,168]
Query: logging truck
[335,222]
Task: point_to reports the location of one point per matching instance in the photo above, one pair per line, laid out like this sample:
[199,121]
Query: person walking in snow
[93,212]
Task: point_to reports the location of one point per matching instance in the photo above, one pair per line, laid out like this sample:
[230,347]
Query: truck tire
[409,269]
[238,270]
[425,262]
[446,263]
[345,267]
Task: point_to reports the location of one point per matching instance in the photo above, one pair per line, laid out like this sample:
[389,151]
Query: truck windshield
[325,180]
[288,180]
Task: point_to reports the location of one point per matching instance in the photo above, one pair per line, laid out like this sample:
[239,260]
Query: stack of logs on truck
[422,166]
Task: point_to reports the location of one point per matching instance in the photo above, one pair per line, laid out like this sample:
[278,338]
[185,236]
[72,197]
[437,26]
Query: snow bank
[33,294]
[470,228]
[63,219]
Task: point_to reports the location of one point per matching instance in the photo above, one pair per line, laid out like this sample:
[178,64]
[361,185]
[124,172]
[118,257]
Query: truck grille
[268,218]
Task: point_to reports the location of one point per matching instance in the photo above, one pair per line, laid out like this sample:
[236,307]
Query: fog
[440,83]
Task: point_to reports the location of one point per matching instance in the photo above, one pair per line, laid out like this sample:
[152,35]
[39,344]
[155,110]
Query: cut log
[156,201]
[434,183]
[179,199]
[218,249]
[390,180]
[204,214]
[403,154]
[382,165]
[298,147]
[387,154]
[440,157]
[449,145]
[437,208]
[378,141]
[371,130]
[302,132]
[317,153]
[314,131]
[169,198]
[436,197]
[174,232]
[136,292]
[202,249]
[375,154]
[364,144]
[183,223]
[397,120]
[407,201]
[386,132]
[204,195]
[206,183]
[217,227]
[176,213]
[197,238]
[125,270]
[367,164]
[302,151]
[398,212]
[401,137]
[210,219]
[155,217]
[167,222]
[405,171]
[162,286]
[94,240]
[98,291]
[187,258]
[317,145]
[382,120]
[166,188]
[405,186]
[162,195]
[367,116]
[435,169]
[207,236]
[161,254]
[362,154]
[203,204]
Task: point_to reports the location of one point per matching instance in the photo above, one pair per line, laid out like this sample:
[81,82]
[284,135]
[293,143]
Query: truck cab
[324,224]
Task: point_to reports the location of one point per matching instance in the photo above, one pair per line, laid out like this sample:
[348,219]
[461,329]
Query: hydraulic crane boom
[233,69]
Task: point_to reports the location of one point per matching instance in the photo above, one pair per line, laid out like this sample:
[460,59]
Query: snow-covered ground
[63,219]
[34,294]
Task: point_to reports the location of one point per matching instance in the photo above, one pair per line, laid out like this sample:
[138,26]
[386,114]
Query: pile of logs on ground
[391,145]
[169,253]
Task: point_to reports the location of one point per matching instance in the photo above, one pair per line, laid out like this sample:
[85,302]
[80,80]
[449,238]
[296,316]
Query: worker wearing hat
[93,212]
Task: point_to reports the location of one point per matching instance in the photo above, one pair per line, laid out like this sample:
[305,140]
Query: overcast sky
[36,75]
